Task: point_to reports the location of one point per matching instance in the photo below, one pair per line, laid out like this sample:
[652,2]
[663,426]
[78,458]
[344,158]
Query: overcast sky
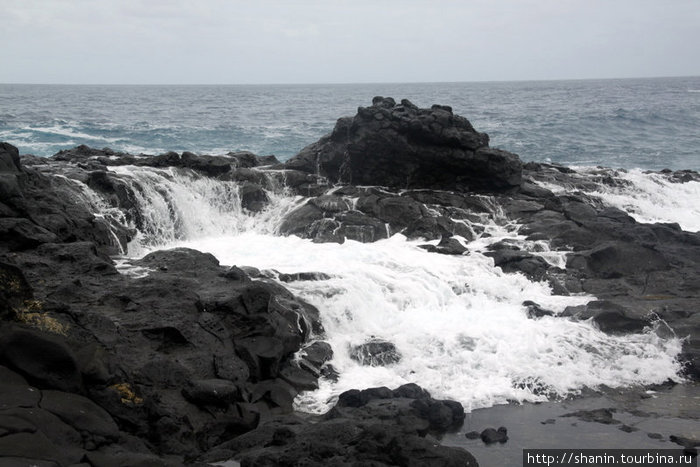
[333,41]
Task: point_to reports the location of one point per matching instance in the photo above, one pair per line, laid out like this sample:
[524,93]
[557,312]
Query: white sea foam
[70,132]
[125,267]
[176,204]
[651,197]
[646,196]
[457,321]
[497,228]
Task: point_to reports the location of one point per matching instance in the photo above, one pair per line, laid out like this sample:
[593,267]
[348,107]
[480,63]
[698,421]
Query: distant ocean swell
[634,123]
[144,138]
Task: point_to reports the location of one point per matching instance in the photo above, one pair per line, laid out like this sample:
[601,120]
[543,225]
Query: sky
[338,41]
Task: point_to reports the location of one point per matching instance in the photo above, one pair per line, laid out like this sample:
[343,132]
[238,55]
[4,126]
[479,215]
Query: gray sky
[333,41]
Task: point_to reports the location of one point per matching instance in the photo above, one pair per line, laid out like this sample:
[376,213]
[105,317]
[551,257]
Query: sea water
[626,123]
[458,322]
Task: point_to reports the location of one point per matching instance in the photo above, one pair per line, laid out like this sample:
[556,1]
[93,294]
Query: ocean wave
[567,122]
[70,131]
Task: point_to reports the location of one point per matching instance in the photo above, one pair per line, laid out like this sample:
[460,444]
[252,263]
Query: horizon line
[348,82]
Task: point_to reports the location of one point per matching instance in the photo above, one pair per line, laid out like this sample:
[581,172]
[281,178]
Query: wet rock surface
[403,146]
[375,352]
[639,272]
[173,358]
[376,426]
[160,367]
[659,417]
[190,360]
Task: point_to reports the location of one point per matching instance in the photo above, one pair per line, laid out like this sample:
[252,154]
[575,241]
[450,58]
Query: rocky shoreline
[187,361]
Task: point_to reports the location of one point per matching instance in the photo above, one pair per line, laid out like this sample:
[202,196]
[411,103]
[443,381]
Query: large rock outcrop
[184,356]
[177,358]
[403,146]
[375,426]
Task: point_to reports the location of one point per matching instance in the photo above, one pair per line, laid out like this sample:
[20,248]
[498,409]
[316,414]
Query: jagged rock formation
[376,426]
[403,146]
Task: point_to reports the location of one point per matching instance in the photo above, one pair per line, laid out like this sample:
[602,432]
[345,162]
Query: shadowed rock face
[375,426]
[402,146]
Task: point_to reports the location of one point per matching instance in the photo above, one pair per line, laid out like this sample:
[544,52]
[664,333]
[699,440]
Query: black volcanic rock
[491,435]
[168,356]
[618,259]
[402,146]
[190,359]
[22,234]
[40,208]
[534,267]
[212,166]
[9,158]
[43,359]
[334,225]
[368,214]
[253,197]
[375,352]
[611,317]
[639,272]
[397,147]
[446,246]
[14,290]
[534,310]
[376,426]
[604,416]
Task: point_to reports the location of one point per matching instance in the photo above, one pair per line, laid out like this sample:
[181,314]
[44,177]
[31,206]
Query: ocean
[457,321]
[626,123]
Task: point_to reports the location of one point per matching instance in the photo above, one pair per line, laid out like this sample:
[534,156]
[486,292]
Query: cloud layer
[336,41]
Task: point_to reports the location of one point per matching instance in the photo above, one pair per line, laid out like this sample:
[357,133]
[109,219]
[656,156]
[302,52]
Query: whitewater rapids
[458,322]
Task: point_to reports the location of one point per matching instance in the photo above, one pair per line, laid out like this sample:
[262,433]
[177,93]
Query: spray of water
[457,322]
[177,205]
[652,197]
[646,196]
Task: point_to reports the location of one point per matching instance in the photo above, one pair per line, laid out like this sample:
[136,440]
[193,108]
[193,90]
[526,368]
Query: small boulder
[491,435]
[535,310]
[253,197]
[375,352]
